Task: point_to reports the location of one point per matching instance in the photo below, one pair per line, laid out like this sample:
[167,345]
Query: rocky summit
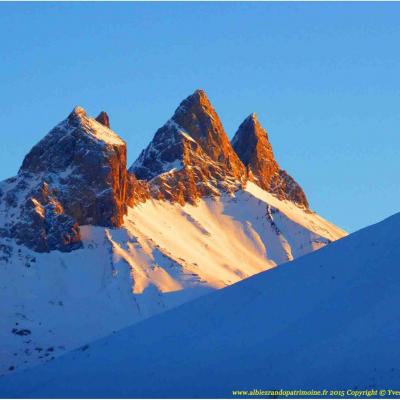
[76,175]
[191,156]
[252,145]
[197,117]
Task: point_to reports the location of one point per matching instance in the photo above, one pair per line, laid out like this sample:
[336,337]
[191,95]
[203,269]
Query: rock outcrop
[197,117]
[76,175]
[255,151]
[103,119]
[190,156]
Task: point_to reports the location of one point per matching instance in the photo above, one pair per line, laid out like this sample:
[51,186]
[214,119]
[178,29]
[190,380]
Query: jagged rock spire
[103,119]
[253,148]
[255,151]
[198,118]
[192,145]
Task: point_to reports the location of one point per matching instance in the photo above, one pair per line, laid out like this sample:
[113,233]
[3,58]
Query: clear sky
[324,79]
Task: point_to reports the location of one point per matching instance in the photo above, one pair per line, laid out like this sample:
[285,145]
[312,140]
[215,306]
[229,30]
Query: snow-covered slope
[163,255]
[328,320]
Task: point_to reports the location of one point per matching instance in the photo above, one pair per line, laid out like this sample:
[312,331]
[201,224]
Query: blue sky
[323,78]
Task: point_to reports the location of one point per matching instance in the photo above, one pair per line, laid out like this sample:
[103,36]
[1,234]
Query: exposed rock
[43,225]
[190,156]
[285,187]
[137,191]
[85,163]
[75,175]
[255,151]
[103,119]
[197,117]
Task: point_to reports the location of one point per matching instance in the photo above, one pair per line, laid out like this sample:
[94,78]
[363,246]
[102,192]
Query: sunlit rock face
[255,151]
[76,175]
[197,117]
[190,156]
[137,191]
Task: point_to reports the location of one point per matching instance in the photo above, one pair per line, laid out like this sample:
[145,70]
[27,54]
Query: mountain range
[89,246]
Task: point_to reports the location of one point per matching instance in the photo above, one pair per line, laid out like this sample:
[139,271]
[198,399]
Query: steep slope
[329,320]
[255,151]
[190,156]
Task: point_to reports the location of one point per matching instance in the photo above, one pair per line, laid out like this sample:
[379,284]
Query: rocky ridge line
[76,175]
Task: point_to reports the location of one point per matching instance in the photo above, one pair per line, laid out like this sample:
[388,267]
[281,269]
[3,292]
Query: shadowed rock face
[42,223]
[254,149]
[190,156]
[75,176]
[103,119]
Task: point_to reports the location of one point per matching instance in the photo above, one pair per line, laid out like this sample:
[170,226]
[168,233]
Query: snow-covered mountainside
[87,248]
[163,255]
[327,321]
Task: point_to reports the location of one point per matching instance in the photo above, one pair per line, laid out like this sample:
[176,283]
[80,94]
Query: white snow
[101,132]
[164,255]
[329,320]
[92,127]
[179,129]
[171,166]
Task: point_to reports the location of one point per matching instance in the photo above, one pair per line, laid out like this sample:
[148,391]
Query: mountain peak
[192,144]
[197,106]
[251,141]
[77,175]
[103,119]
[199,95]
[198,118]
[252,117]
[255,151]
[77,112]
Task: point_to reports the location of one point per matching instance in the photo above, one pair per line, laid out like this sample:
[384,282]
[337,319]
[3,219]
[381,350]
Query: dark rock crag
[103,119]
